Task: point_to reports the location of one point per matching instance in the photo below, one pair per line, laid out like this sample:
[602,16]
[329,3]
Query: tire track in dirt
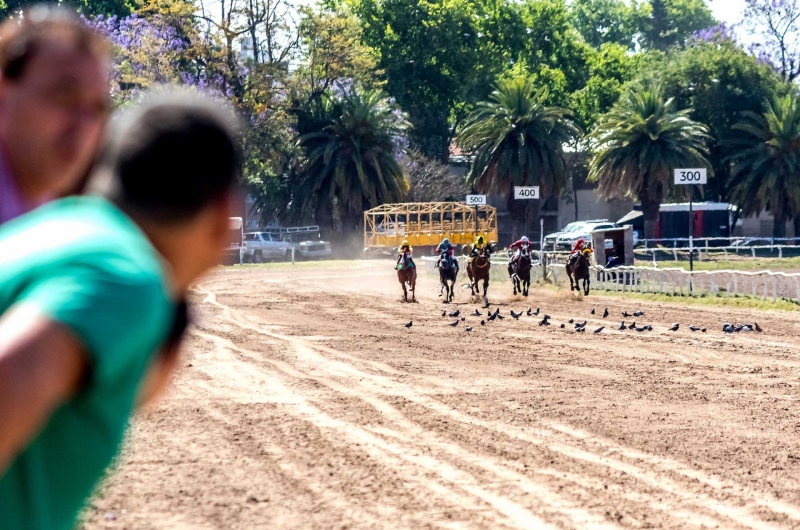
[724,510]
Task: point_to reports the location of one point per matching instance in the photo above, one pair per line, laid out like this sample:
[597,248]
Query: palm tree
[517,140]
[352,160]
[766,166]
[639,143]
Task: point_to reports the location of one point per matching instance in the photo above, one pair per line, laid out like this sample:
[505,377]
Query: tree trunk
[516,210]
[779,226]
[650,210]
[796,222]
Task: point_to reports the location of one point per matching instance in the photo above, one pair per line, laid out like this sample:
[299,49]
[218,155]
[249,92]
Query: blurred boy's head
[171,164]
[54,93]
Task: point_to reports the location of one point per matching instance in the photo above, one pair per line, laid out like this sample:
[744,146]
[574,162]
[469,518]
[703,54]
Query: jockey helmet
[480,240]
[525,239]
[580,242]
[445,242]
[404,243]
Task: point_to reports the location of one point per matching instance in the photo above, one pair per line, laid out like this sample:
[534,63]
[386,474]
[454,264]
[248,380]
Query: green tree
[766,163]
[517,140]
[605,21]
[639,143]
[352,162]
[718,81]
[670,22]
[120,8]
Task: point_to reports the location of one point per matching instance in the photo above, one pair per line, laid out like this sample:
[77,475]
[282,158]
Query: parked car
[309,245]
[581,230]
[262,246]
[551,239]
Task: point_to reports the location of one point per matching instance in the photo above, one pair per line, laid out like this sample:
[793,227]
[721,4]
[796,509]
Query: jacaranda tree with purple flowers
[776,24]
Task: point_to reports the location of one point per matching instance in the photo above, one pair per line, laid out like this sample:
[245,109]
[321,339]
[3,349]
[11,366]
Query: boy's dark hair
[22,37]
[172,156]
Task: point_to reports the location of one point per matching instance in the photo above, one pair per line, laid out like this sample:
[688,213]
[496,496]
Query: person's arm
[42,364]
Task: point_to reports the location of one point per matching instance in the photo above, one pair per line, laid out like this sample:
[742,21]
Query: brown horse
[477,270]
[407,275]
[579,269]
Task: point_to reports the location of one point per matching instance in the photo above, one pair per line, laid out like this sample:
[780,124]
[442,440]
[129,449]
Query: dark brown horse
[521,272]
[477,270]
[448,272]
[579,270]
[407,275]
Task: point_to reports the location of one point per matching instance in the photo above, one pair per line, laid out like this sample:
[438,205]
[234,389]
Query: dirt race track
[304,403]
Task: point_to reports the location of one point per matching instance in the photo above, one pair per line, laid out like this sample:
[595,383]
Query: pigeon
[675,327]
[641,329]
[444,313]
[727,328]
[581,324]
[632,326]
[593,311]
[498,315]
[694,328]
[476,313]
[536,313]
[497,311]
[546,317]
[483,322]
[703,330]
[571,320]
[562,326]
[638,313]
[747,328]
[605,313]
[468,329]
[410,323]
[580,330]
[598,330]
[454,324]
[455,313]
[463,319]
[757,327]
[648,328]
[529,312]
[544,322]
[515,316]
[492,317]
[623,327]
[625,314]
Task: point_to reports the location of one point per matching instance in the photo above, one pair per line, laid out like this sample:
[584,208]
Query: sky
[728,11]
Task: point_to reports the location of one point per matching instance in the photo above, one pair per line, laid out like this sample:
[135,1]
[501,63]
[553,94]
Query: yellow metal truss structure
[427,223]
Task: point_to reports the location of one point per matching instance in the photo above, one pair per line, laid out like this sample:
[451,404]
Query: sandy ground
[303,402]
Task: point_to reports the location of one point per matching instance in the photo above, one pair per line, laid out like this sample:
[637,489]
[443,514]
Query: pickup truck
[262,246]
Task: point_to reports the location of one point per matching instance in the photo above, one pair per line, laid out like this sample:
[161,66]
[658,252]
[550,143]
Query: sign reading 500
[476,200]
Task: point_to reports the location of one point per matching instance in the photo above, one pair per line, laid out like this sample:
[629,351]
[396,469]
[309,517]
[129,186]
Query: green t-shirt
[83,263]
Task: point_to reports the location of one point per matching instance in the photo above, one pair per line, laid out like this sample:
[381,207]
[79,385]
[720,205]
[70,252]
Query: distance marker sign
[691,176]
[526,192]
[476,200]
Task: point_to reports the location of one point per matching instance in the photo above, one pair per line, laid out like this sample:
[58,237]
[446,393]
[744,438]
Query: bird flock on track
[580,327]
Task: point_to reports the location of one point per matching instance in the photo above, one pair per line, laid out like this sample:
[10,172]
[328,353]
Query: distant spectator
[89,301]
[54,99]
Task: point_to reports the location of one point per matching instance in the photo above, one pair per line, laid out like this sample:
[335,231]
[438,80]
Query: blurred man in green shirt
[88,291]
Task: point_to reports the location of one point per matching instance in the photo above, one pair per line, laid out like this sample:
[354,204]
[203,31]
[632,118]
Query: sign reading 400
[691,176]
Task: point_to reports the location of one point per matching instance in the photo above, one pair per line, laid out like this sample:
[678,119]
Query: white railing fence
[766,285]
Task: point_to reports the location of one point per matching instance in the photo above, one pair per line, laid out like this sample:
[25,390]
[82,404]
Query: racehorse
[477,270]
[448,271]
[521,272]
[407,275]
[579,269]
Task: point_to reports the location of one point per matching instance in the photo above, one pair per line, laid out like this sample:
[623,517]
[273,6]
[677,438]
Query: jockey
[577,248]
[405,251]
[445,251]
[517,245]
[479,244]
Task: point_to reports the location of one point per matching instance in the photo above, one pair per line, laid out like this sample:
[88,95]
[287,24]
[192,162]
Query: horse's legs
[405,292]
[486,290]
[586,283]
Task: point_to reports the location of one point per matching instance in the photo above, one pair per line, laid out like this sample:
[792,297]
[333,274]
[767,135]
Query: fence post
[774,289]
[780,251]
[764,286]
